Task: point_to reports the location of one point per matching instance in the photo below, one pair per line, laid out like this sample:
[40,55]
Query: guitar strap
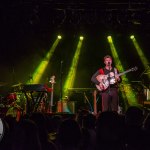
[115,71]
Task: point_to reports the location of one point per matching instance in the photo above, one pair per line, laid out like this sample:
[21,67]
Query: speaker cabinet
[147,94]
[66,106]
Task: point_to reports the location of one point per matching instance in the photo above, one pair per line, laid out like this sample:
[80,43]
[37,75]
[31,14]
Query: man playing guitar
[106,80]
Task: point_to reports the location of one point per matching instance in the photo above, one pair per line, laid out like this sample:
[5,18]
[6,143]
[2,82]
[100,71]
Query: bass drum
[15,112]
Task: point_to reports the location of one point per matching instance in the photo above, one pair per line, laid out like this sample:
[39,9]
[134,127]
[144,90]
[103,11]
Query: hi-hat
[16,85]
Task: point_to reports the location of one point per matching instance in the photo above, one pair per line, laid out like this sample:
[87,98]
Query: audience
[135,135]
[69,135]
[41,121]
[26,136]
[108,131]
[88,132]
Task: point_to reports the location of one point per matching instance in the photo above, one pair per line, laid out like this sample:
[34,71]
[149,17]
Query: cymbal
[16,85]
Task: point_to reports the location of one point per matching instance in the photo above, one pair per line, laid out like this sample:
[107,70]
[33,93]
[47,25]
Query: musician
[106,80]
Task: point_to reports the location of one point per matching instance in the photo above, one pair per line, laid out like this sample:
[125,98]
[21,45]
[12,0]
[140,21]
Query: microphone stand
[60,96]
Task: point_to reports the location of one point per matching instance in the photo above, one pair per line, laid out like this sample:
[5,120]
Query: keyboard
[36,87]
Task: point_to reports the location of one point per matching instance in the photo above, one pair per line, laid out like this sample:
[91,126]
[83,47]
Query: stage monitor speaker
[66,106]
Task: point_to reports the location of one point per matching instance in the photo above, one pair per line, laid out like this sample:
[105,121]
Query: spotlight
[132,37]
[59,37]
[81,37]
[109,39]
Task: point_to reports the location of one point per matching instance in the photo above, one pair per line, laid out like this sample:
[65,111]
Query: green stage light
[132,37]
[59,37]
[72,71]
[109,39]
[81,37]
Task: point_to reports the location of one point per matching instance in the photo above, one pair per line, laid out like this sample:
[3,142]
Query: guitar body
[102,86]
[104,82]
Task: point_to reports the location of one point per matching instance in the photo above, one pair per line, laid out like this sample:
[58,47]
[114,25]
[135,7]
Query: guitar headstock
[52,79]
[134,68]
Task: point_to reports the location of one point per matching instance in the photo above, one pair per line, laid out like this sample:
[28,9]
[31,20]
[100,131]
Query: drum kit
[13,100]
[10,101]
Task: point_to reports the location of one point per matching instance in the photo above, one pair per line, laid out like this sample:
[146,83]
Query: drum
[15,112]
[10,98]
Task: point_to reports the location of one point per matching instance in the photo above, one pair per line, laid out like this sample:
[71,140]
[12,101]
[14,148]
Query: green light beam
[37,75]
[143,58]
[72,72]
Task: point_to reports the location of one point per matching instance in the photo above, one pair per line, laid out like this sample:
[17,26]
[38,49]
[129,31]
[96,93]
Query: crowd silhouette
[81,131]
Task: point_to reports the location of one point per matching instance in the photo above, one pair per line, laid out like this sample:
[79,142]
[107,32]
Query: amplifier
[147,94]
[66,106]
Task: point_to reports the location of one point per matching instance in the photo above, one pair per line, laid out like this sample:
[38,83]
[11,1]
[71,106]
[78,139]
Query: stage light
[59,37]
[81,37]
[109,36]
[109,39]
[132,37]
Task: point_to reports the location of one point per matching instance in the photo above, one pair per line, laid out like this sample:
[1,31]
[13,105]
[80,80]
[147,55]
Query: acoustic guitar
[109,79]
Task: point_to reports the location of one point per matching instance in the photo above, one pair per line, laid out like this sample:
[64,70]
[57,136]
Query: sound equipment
[147,94]
[66,106]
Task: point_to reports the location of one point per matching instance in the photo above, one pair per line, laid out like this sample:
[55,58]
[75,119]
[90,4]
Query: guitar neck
[120,74]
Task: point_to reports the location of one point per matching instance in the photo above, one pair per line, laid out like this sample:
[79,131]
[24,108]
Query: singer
[106,81]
